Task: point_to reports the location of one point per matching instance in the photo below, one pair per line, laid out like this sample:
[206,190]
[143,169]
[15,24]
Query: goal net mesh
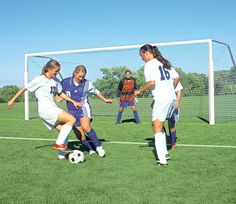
[106,68]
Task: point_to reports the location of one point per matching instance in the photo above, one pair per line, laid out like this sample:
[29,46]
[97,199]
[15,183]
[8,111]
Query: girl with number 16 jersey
[162,80]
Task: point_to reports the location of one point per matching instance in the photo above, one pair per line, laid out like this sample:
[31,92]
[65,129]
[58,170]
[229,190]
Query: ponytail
[156,54]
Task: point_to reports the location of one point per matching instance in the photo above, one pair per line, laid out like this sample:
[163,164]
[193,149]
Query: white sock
[63,135]
[159,143]
[166,151]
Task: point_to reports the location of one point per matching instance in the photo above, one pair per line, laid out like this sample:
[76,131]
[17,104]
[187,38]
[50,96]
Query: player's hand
[108,100]
[136,93]
[77,104]
[10,104]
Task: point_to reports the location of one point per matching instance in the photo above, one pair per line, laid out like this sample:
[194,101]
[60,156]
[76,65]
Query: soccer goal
[206,67]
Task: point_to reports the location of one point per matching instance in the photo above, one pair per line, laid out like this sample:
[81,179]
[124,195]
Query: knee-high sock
[86,143]
[64,133]
[118,117]
[164,142]
[136,116]
[160,147]
[173,137]
[93,136]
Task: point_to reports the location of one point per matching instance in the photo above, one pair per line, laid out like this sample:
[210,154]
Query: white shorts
[50,116]
[161,110]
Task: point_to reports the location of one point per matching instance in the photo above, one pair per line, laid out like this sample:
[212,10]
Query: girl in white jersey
[162,80]
[45,87]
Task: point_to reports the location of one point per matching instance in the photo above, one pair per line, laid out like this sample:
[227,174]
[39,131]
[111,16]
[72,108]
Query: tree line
[195,84]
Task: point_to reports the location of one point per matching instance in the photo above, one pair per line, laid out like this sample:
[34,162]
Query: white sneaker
[91,152]
[100,151]
[61,155]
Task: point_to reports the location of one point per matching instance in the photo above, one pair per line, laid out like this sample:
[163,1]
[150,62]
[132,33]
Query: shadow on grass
[203,119]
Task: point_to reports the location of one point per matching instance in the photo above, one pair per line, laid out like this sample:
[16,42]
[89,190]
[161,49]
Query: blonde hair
[80,68]
[51,64]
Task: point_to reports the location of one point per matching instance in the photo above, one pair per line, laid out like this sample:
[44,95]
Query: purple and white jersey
[78,92]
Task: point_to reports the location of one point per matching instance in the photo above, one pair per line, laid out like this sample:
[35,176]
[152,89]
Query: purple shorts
[125,104]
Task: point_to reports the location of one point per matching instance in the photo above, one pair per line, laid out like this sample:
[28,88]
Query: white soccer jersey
[163,89]
[45,89]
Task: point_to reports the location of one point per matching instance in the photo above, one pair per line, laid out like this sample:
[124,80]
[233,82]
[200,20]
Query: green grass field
[201,169]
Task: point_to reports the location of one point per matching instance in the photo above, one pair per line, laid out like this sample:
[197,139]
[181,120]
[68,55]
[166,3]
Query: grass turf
[30,172]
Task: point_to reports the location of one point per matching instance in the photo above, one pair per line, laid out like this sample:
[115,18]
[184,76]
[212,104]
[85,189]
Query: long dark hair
[156,53]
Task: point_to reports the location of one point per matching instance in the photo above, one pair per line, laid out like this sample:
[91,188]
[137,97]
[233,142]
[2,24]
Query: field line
[120,142]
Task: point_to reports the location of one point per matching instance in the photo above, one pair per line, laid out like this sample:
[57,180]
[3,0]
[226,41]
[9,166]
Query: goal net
[206,67]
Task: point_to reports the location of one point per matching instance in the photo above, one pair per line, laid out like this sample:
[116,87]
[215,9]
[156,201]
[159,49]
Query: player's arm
[12,100]
[178,96]
[67,98]
[147,86]
[106,100]
[176,81]
[58,98]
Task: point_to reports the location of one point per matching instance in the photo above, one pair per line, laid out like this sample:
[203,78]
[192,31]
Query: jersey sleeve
[92,89]
[58,85]
[148,72]
[174,74]
[34,84]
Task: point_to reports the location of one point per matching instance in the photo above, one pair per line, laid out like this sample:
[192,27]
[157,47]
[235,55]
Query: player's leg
[68,121]
[159,114]
[160,141]
[85,124]
[172,130]
[133,107]
[84,141]
[119,115]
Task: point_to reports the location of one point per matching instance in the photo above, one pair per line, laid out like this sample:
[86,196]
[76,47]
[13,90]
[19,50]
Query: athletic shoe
[100,151]
[61,155]
[162,165]
[173,146]
[59,147]
[91,152]
[167,158]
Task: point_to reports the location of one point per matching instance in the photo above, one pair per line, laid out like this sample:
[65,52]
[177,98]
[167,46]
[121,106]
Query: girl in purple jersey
[78,88]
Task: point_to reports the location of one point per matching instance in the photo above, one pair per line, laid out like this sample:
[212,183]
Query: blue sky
[51,25]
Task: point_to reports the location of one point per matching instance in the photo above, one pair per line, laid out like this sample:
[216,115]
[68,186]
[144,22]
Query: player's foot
[118,123]
[162,165]
[59,147]
[61,155]
[91,152]
[100,151]
[173,146]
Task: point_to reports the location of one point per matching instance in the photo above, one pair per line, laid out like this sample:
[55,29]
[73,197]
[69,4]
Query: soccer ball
[76,157]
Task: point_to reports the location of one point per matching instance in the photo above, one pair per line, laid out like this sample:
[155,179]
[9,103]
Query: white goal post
[211,89]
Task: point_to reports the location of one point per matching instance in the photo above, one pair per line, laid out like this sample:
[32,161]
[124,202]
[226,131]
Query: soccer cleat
[91,152]
[173,146]
[162,165]
[61,155]
[100,151]
[59,147]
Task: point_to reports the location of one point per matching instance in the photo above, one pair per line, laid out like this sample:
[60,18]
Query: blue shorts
[125,104]
[77,114]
